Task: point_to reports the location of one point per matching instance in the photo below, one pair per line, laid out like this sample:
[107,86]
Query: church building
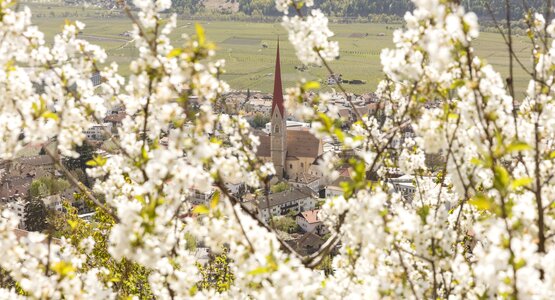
[292,152]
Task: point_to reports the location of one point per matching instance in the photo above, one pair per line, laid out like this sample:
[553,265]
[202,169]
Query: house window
[290,166]
[302,165]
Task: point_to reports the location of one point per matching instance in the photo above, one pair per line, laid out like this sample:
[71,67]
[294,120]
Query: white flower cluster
[310,36]
[481,227]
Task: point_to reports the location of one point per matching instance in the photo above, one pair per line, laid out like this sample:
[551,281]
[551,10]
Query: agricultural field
[249,48]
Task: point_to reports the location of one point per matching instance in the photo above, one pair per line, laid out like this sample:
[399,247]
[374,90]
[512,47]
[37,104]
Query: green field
[249,65]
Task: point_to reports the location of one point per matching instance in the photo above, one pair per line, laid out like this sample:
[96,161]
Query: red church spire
[278,89]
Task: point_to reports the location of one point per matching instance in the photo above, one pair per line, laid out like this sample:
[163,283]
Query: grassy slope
[250,65]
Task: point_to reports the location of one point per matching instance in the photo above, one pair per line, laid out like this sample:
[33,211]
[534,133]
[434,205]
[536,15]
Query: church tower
[278,146]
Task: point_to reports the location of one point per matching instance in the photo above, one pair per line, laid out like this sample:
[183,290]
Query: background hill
[363,8]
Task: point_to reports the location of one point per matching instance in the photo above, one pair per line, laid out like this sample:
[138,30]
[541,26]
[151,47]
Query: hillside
[363,8]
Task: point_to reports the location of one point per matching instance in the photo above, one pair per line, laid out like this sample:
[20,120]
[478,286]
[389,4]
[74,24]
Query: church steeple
[278,88]
[278,147]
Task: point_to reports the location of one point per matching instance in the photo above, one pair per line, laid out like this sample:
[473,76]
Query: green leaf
[144,153]
[175,52]
[73,224]
[259,271]
[518,146]
[63,268]
[340,135]
[552,155]
[481,202]
[423,212]
[521,182]
[97,161]
[201,210]
[311,85]
[193,290]
[501,178]
[201,36]
[452,116]
[476,161]
[457,84]
[520,263]
[215,200]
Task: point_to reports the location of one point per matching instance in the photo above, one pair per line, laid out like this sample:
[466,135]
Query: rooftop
[299,144]
[311,216]
[285,197]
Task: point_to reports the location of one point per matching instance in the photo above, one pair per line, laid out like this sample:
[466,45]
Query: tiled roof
[299,144]
[38,160]
[305,178]
[339,180]
[285,197]
[302,144]
[307,244]
[311,216]
[115,117]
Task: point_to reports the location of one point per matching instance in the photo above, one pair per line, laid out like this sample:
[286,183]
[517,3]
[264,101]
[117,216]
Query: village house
[115,120]
[290,201]
[310,222]
[53,202]
[203,198]
[307,244]
[16,205]
[404,185]
[334,189]
[200,198]
[17,175]
[98,131]
[43,162]
[307,180]
[261,105]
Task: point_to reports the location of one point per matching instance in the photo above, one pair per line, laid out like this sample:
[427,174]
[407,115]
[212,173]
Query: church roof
[299,144]
[302,144]
[278,89]
[264,147]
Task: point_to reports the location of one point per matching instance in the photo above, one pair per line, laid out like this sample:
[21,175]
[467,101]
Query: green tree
[187,6]
[129,278]
[35,215]
[191,242]
[86,153]
[285,224]
[279,187]
[46,186]
[216,273]
[260,120]
[326,265]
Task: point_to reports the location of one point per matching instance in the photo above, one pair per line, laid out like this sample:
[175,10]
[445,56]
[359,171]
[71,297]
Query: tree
[128,278]
[46,186]
[216,274]
[279,187]
[483,227]
[285,224]
[35,215]
[86,153]
[260,120]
